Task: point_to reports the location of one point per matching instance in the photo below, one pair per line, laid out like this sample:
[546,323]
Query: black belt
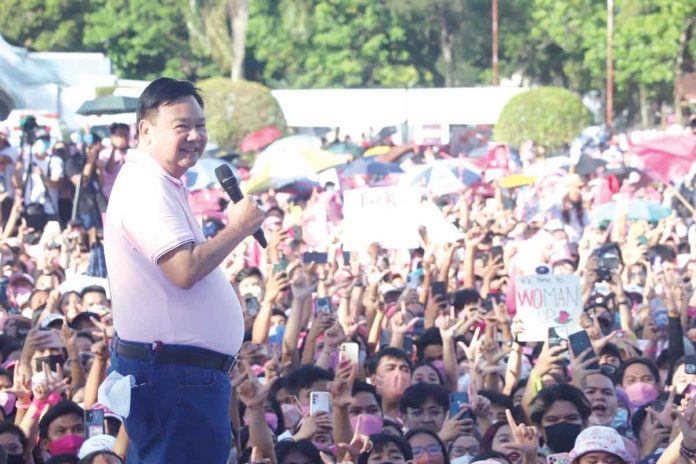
[158,353]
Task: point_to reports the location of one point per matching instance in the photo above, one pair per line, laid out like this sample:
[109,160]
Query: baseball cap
[96,443]
[600,439]
[52,321]
[20,277]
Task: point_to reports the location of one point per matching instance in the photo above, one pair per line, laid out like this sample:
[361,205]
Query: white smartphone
[351,350]
[319,402]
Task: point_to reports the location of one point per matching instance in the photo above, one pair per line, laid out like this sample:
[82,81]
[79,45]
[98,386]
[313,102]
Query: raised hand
[342,384]
[549,358]
[526,441]
[686,421]
[275,285]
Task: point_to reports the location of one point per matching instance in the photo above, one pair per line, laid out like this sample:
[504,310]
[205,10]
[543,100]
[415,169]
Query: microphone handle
[231,186]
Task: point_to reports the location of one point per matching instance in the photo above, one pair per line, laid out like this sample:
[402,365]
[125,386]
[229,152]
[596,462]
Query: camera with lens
[29,126]
[604,274]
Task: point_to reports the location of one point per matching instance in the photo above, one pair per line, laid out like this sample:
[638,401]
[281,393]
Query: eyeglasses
[433,450]
[432,412]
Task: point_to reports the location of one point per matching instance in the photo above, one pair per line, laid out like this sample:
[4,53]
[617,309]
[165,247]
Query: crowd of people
[376,356]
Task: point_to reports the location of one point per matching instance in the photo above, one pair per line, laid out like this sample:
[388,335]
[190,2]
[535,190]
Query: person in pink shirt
[178,320]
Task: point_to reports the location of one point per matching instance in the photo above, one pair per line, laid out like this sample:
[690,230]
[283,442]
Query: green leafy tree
[144,39]
[235,108]
[334,43]
[550,116]
[44,25]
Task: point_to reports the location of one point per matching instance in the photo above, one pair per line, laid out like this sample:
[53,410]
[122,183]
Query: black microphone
[229,184]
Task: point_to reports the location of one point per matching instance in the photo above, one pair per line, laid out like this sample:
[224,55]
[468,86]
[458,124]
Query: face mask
[255,291]
[463,383]
[22,296]
[68,444]
[395,383]
[620,419]
[291,415]
[462,460]
[7,402]
[439,365]
[15,459]
[641,393]
[561,437]
[271,420]
[369,423]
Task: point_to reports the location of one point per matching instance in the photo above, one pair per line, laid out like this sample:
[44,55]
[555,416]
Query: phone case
[351,351]
[319,402]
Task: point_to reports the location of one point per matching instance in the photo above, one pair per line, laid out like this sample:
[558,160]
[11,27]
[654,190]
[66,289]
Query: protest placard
[545,301]
[385,215]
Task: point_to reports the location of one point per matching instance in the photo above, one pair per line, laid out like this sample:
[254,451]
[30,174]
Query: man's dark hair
[248,272]
[497,398]
[9,427]
[364,387]
[583,380]
[164,91]
[610,349]
[305,376]
[63,408]
[388,352]
[380,441]
[305,447]
[63,459]
[390,423]
[431,336]
[279,312]
[93,289]
[559,392]
[417,394]
[116,126]
[644,361]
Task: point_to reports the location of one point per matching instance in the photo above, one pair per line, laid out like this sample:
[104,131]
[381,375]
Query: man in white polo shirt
[178,321]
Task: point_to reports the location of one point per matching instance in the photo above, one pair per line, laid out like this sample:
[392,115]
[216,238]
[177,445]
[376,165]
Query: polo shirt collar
[148,162]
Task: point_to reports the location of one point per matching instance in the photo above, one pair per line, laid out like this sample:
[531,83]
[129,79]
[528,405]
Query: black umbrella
[588,165]
[111,104]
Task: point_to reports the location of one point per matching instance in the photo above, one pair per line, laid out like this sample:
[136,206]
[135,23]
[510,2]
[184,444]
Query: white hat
[96,443]
[599,438]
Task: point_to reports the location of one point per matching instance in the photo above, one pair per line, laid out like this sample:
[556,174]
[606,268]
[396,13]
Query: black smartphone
[94,422]
[408,346]
[280,266]
[496,252]
[579,342]
[457,399]
[438,288]
[419,327]
[252,305]
[556,340]
[690,364]
[487,304]
[308,257]
[346,258]
[321,258]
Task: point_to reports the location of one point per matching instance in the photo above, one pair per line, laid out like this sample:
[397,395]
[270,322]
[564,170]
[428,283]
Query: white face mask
[462,460]
[463,383]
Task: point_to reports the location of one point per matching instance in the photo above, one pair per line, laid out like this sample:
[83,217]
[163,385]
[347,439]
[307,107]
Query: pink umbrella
[259,139]
[667,157]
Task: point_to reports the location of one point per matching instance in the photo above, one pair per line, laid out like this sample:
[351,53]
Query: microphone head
[223,172]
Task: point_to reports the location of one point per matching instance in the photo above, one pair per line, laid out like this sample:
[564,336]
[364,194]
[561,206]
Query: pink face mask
[7,402]
[369,423]
[439,365]
[68,444]
[291,415]
[271,420]
[641,393]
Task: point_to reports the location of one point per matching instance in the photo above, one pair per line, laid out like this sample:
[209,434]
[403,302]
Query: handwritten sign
[545,301]
[386,215]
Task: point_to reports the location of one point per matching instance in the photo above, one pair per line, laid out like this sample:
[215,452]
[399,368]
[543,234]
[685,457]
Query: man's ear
[144,129]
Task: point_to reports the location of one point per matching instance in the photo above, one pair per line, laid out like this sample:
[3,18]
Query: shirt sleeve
[155,221]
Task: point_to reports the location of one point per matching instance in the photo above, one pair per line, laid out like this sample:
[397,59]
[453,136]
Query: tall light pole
[610,64]
[494,18]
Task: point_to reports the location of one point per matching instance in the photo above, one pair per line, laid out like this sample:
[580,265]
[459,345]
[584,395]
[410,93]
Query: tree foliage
[549,116]
[366,43]
[236,108]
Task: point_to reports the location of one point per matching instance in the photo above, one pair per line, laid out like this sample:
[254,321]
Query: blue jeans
[178,414]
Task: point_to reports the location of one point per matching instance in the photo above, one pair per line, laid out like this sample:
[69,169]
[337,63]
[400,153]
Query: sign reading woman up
[545,301]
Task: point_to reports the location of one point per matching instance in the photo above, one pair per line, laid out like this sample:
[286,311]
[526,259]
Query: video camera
[29,126]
